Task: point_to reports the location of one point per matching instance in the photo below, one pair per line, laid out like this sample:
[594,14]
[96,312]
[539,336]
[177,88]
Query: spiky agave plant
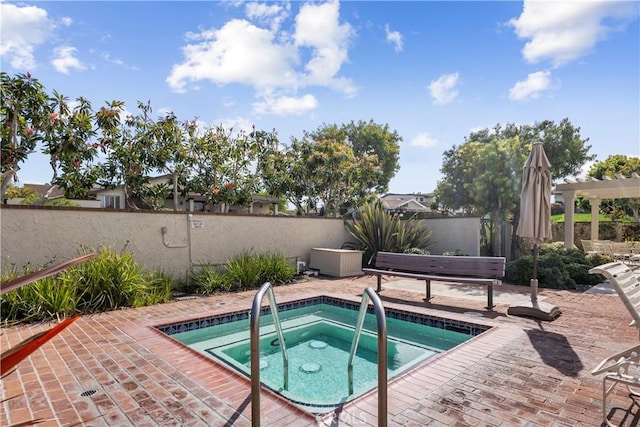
[376,230]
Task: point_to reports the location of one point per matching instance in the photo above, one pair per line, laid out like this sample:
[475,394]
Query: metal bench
[475,270]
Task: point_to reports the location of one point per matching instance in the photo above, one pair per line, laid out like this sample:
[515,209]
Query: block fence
[180,242]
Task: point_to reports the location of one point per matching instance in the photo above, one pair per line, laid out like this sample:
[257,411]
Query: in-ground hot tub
[318,333]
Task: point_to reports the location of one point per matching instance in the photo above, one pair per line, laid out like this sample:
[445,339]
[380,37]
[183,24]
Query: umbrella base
[536,309]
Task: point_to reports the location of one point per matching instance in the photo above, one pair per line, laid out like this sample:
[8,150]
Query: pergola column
[595,225]
[569,206]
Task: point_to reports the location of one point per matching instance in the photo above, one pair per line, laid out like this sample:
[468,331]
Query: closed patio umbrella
[535,224]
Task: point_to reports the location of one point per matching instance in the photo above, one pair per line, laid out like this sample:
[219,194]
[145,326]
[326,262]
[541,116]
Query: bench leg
[379,283]
[490,298]
[428,289]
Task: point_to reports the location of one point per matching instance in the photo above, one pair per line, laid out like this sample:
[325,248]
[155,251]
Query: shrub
[209,280]
[109,281]
[157,289]
[558,268]
[416,251]
[631,232]
[243,271]
[376,230]
[457,252]
[275,268]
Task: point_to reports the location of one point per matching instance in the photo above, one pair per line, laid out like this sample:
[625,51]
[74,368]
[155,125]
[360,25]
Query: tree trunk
[175,191]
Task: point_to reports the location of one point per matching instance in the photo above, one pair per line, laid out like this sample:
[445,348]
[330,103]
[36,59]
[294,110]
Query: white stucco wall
[41,235]
[450,234]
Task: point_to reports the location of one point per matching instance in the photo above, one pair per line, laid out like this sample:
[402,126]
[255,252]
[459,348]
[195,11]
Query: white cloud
[272,14]
[285,105]
[562,31]
[107,57]
[394,37]
[423,140]
[64,60]
[221,56]
[444,90]
[23,28]
[274,67]
[66,21]
[532,87]
[318,28]
[236,124]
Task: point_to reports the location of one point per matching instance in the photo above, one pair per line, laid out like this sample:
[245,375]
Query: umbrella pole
[534,281]
[534,308]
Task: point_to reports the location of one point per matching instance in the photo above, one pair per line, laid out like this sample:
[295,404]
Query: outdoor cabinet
[336,262]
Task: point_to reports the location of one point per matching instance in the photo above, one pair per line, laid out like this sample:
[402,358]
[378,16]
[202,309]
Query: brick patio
[520,373]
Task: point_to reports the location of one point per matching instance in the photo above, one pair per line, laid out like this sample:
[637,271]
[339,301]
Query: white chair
[602,247]
[587,247]
[621,251]
[621,368]
[626,283]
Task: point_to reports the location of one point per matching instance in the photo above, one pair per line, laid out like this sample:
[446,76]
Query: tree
[167,137]
[613,167]
[23,108]
[67,135]
[367,139]
[334,166]
[483,176]
[130,152]
[224,166]
[284,174]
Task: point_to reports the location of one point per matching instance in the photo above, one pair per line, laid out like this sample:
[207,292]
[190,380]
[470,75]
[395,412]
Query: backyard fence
[179,242]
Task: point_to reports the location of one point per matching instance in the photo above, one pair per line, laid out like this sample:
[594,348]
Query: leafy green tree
[67,140]
[285,174]
[613,167]
[168,139]
[224,166]
[370,140]
[23,109]
[130,155]
[483,176]
[334,166]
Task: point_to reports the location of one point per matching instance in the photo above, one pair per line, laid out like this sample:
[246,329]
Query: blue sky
[433,71]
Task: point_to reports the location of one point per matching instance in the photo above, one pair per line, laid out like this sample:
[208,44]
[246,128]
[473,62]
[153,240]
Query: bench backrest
[626,283]
[471,266]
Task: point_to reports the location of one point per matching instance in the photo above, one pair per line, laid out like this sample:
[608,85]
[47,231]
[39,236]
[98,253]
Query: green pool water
[318,340]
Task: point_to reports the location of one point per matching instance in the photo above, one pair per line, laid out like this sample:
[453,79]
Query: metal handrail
[382,351]
[255,348]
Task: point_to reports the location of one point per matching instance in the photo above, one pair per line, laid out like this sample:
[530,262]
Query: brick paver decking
[112,369]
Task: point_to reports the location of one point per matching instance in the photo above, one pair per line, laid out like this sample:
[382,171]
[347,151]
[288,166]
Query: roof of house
[405,205]
[411,195]
[42,190]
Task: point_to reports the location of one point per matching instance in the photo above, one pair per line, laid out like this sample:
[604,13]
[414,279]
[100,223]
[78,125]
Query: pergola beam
[594,190]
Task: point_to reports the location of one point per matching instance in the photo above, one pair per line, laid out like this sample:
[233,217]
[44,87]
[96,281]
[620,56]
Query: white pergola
[594,190]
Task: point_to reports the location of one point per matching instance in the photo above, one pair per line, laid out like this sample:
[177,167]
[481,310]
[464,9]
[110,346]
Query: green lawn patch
[586,217]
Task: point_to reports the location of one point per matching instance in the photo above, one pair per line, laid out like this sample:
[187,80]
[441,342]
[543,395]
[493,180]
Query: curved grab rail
[382,350]
[255,348]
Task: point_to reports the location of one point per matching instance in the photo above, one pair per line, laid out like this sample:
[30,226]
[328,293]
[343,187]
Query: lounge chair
[626,283]
[602,247]
[621,368]
[587,247]
[621,251]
